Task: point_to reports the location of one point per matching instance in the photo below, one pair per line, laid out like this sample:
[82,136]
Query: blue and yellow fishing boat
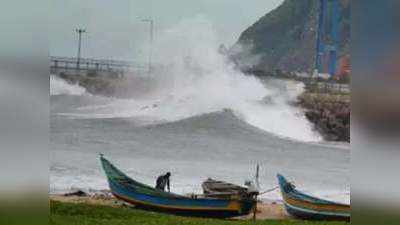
[304,206]
[146,197]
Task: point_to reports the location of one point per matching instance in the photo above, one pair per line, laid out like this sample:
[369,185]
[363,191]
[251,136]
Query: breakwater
[330,114]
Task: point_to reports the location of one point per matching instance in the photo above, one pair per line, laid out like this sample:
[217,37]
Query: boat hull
[208,213]
[309,214]
[304,206]
[183,206]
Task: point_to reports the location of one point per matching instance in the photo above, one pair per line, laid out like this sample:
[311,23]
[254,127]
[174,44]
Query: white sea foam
[59,86]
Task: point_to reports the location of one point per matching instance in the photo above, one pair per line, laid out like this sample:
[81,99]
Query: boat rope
[269,190]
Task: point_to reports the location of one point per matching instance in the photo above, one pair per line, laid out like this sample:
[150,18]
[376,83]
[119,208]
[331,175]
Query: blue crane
[327,42]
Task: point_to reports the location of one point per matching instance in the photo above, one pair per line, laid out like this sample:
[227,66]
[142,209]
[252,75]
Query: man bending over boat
[163,181]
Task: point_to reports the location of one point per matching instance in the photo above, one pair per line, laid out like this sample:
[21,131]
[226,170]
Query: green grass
[84,214]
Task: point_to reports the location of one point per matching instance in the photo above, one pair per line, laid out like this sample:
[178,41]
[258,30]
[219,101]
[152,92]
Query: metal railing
[71,63]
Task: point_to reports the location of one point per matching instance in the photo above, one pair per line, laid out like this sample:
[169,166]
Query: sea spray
[191,77]
[59,86]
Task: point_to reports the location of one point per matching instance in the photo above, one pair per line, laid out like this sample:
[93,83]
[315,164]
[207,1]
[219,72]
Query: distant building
[344,69]
[301,74]
[324,76]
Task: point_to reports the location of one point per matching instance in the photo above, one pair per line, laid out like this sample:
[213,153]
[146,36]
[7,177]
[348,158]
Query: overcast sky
[114,28]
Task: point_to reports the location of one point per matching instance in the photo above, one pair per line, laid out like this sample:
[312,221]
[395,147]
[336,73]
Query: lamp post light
[151,36]
[79,31]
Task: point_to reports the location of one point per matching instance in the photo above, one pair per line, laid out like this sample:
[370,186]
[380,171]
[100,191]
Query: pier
[85,66]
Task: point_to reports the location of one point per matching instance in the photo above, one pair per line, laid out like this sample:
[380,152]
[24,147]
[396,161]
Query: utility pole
[151,32]
[79,31]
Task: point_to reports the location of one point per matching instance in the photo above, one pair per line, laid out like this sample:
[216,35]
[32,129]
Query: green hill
[284,39]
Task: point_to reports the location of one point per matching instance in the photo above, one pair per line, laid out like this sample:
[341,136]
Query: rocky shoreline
[330,114]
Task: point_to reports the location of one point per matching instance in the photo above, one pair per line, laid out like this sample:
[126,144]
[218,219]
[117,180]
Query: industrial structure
[327,41]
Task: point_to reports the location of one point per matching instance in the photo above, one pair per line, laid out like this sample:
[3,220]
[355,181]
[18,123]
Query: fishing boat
[304,206]
[222,189]
[147,197]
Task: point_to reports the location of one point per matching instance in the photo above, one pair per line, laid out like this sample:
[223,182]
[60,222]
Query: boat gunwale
[136,183]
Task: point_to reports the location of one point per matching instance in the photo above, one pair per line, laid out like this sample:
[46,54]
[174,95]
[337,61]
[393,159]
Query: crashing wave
[59,86]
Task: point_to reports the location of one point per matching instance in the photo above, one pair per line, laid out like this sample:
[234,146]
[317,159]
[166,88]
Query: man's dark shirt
[162,181]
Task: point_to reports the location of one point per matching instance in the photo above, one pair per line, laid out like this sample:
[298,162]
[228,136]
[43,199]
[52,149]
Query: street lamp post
[79,31]
[151,22]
